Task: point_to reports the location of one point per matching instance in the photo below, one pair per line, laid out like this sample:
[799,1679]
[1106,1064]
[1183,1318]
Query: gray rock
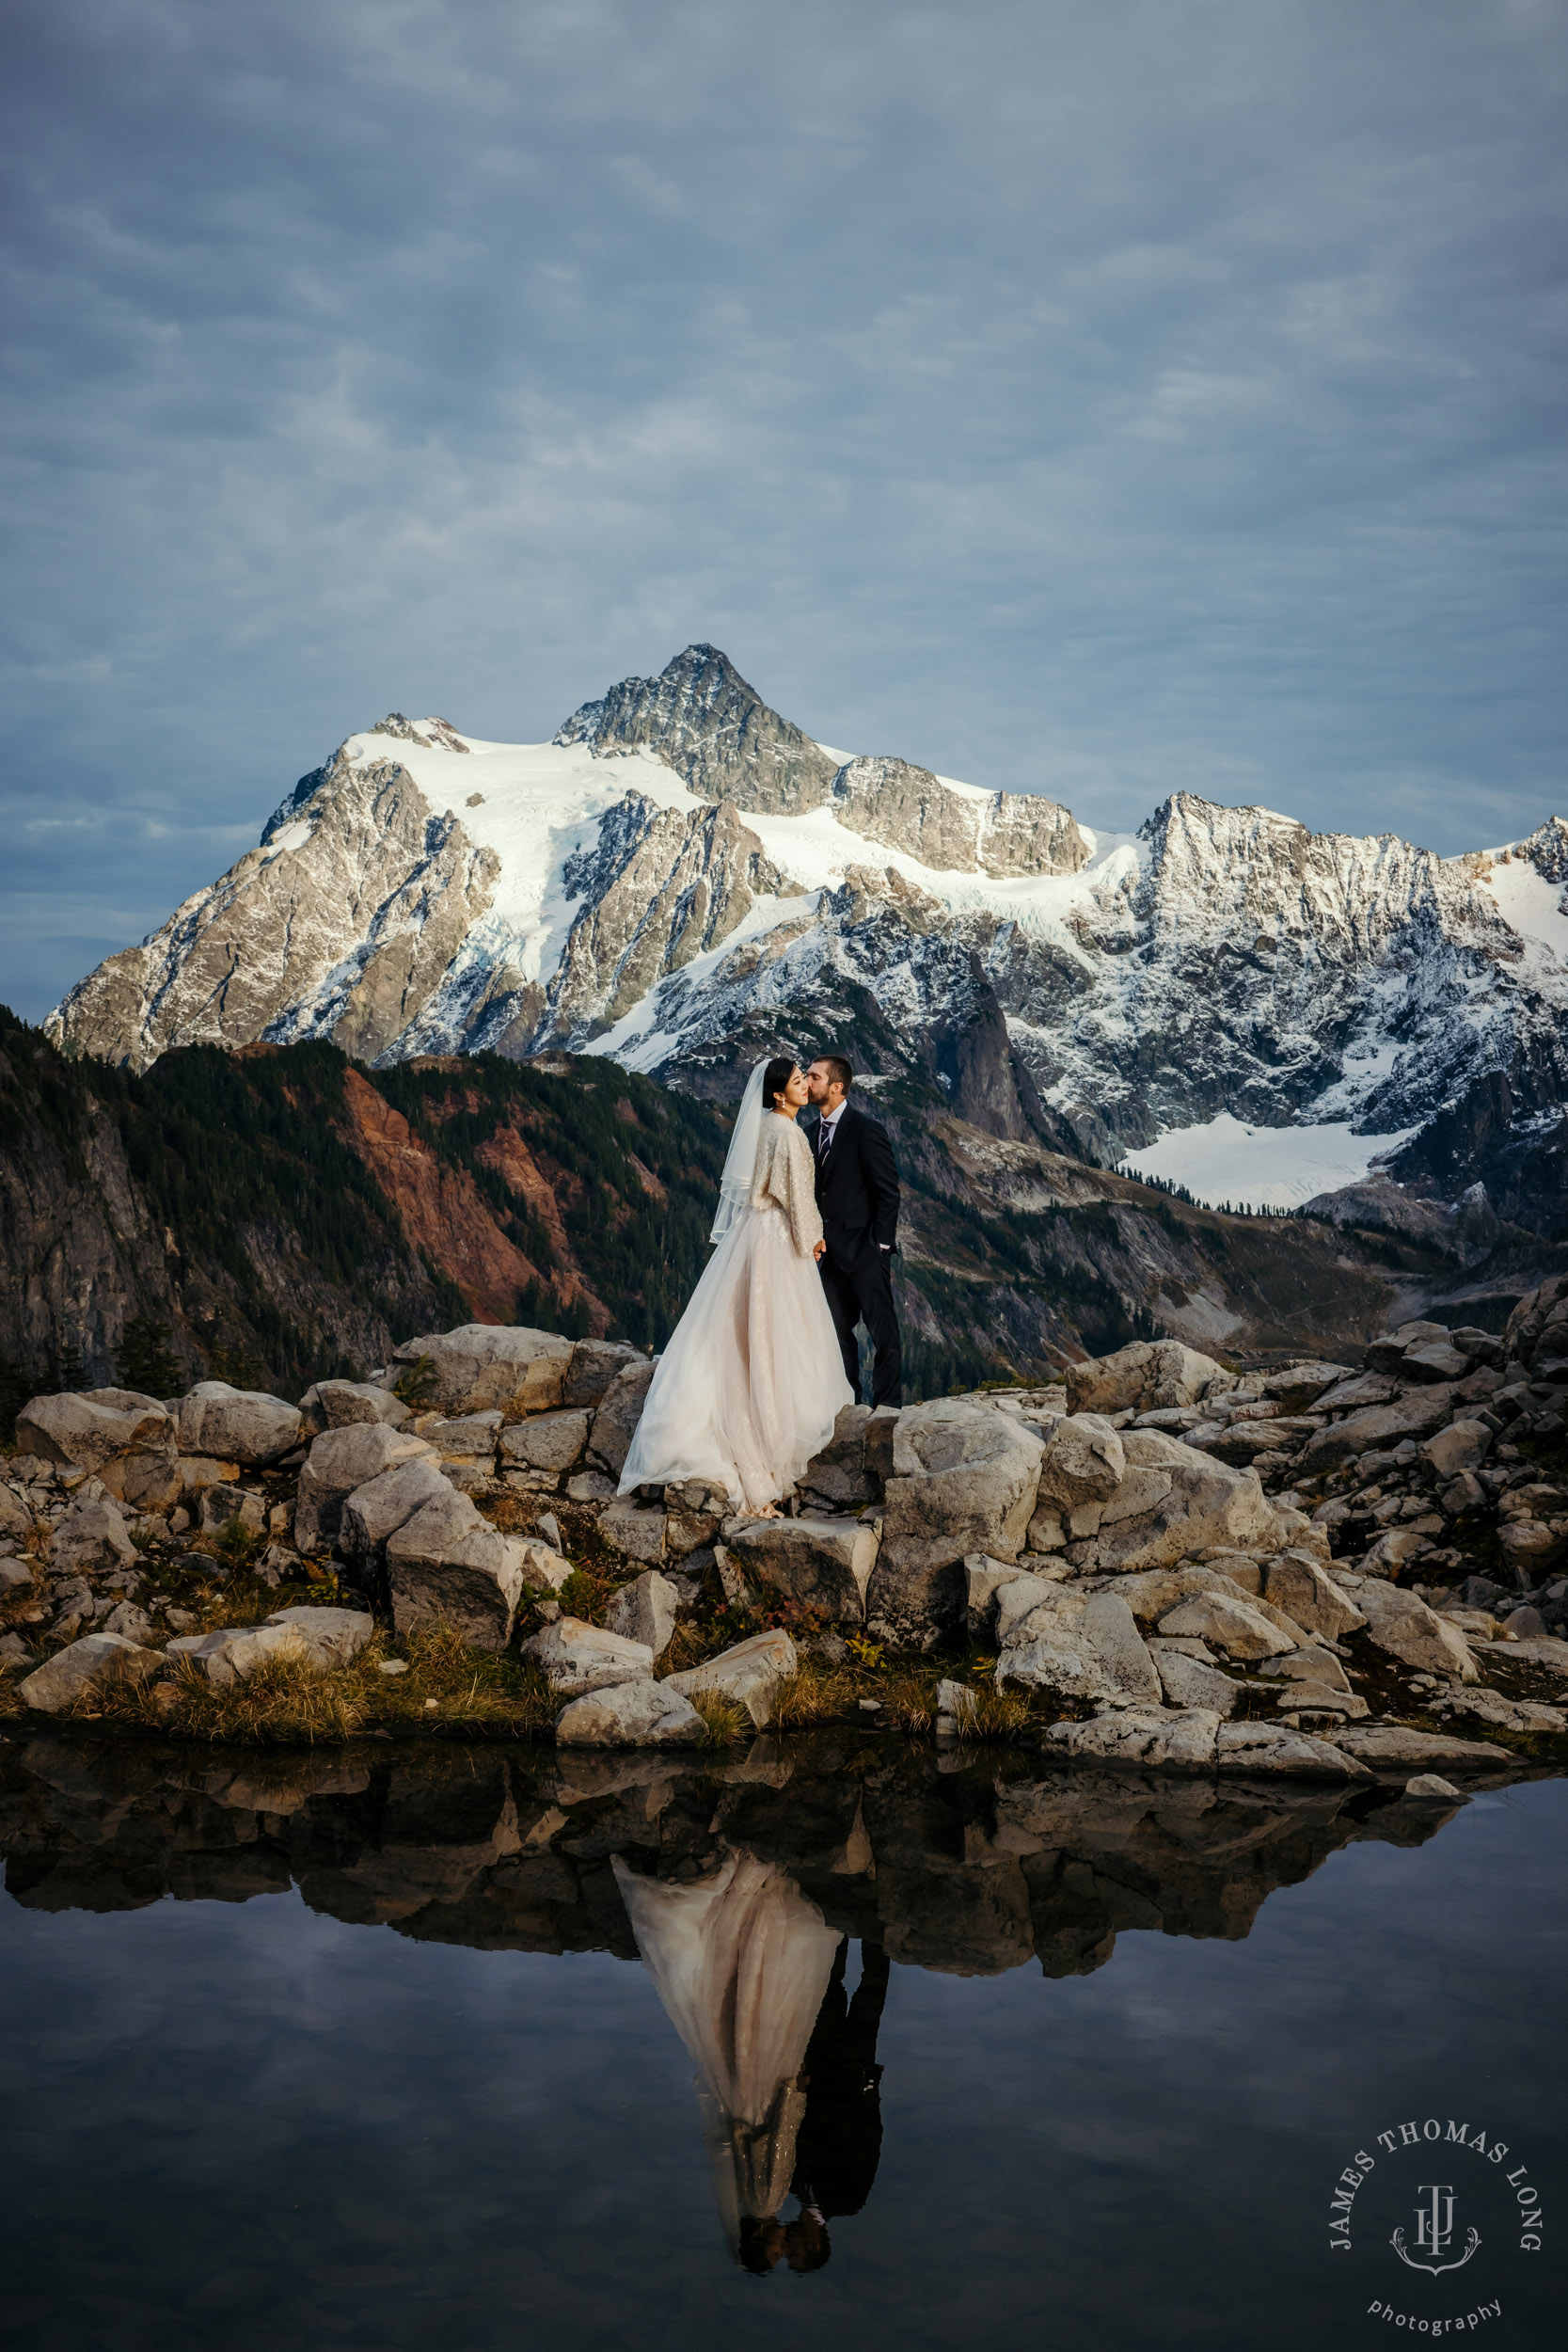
[90,1429]
[16,1518]
[644,1611]
[590,1487]
[633,1531]
[825,1564]
[1084,1461]
[1142,1377]
[1390,1747]
[483,1364]
[1187,1682]
[341,1461]
[448,1565]
[131,1622]
[1416,1415]
[1433,1360]
[13,1651]
[1524,1624]
[547,1441]
[545,1570]
[1432,1785]
[221,1505]
[615,1420]
[92,1663]
[1407,1629]
[965,1479]
[983,1580]
[332,1637]
[1266,1748]
[749,1674]
[838,1475]
[14,1578]
[1296,1584]
[343,1402]
[93,1537]
[469,1437]
[574,1656]
[1172,1503]
[594,1364]
[1175,1741]
[641,1713]
[1016,1598]
[1086,1647]
[231,1653]
[1463,1445]
[1232,1625]
[1311,1664]
[242,1426]
[377,1509]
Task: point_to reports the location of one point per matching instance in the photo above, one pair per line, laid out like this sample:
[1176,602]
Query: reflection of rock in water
[971,1872]
[740,1959]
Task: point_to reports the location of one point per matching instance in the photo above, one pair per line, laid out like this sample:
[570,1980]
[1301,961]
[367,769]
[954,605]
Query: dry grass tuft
[724,1722]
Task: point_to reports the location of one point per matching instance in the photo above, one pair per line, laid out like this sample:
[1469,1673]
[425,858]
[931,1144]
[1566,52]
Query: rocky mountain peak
[705,722]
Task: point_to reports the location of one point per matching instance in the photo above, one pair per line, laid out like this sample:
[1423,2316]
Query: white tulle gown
[752,1382]
[740,1960]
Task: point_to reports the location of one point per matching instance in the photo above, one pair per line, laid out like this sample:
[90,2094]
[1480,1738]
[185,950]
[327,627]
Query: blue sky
[1092,396]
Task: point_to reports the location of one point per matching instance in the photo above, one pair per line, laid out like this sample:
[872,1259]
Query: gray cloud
[1094,400]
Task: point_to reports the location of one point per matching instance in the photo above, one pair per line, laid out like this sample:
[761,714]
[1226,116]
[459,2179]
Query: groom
[857,1192]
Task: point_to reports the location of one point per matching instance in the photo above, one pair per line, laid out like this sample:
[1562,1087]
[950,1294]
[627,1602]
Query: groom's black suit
[857,1194]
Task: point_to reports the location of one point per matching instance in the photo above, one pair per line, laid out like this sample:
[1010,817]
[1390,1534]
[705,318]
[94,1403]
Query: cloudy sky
[1094,396]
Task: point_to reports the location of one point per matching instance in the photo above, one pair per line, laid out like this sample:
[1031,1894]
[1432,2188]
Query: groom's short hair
[838,1070]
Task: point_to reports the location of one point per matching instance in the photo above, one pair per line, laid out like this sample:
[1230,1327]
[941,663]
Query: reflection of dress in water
[740,1960]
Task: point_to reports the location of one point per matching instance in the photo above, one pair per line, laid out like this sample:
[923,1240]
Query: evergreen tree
[143,1360]
[70,1370]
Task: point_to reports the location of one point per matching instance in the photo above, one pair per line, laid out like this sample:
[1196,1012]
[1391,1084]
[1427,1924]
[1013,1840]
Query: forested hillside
[278,1213]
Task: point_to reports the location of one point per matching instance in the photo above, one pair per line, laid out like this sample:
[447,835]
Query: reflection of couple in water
[754,1981]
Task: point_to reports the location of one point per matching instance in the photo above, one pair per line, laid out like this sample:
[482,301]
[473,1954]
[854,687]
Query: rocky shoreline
[1340,1571]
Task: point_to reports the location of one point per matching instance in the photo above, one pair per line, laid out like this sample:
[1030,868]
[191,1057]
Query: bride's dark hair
[776,1077]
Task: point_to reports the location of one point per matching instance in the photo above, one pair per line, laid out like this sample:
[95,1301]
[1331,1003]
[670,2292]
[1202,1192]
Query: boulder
[964,1480]
[1172,1503]
[448,1565]
[490,1364]
[825,1564]
[1049,1528]
[16,1520]
[1407,1629]
[749,1674]
[839,1474]
[1432,1785]
[615,1420]
[1086,1646]
[342,1402]
[594,1364]
[1527,1544]
[1232,1626]
[1188,1682]
[1266,1748]
[377,1509]
[983,1580]
[131,1622]
[1017,1598]
[93,1537]
[1394,1549]
[89,1429]
[1312,1663]
[574,1656]
[92,1663]
[634,1531]
[1390,1747]
[1175,1741]
[221,1504]
[469,1437]
[1299,1586]
[1143,1377]
[332,1637]
[552,1443]
[1377,1426]
[242,1426]
[641,1713]
[231,1653]
[1084,1461]
[340,1462]
[1294,1386]
[1463,1445]
[545,1570]
[1433,1360]
[644,1611]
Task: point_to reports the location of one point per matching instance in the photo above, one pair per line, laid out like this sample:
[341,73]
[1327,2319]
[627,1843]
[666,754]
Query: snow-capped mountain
[682,879]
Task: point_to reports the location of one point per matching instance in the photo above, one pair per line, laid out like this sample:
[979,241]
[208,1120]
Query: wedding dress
[740,1960]
[752,1382]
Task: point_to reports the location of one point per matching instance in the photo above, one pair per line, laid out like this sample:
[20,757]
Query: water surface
[358,2049]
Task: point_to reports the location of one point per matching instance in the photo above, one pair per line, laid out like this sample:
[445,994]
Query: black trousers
[863,1292]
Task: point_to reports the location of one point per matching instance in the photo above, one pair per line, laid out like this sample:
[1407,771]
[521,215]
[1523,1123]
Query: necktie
[824,1139]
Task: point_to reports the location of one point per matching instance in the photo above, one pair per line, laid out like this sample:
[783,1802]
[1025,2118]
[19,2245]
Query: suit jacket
[857,1188]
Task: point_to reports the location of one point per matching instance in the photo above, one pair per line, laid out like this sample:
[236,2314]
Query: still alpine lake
[830,2044]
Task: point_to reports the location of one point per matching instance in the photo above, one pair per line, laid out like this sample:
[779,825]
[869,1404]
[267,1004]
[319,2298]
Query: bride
[752,1382]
